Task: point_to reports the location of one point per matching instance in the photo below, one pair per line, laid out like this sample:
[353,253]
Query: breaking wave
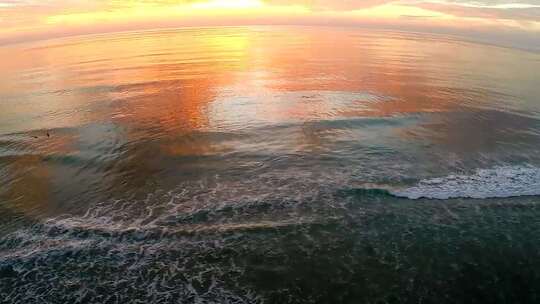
[498,182]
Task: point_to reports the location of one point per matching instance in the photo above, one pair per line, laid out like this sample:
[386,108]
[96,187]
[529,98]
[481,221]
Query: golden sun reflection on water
[125,108]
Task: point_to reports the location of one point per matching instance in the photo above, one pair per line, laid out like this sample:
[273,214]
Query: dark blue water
[269,165]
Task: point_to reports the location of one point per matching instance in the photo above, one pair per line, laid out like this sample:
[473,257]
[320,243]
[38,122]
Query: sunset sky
[515,22]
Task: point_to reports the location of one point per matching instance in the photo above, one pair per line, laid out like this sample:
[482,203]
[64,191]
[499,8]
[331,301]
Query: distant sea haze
[510,38]
[269,165]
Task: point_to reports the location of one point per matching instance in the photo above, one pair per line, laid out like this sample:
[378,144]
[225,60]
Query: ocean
[269,165]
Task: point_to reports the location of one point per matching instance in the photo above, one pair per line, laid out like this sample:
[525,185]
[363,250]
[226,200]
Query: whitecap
[498,182]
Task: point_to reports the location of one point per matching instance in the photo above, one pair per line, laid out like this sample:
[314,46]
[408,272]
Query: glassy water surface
[269,165]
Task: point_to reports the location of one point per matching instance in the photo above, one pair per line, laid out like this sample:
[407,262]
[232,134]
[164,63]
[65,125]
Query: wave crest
[498,182]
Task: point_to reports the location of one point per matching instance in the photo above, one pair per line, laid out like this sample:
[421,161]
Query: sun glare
[228,4]
[19,20]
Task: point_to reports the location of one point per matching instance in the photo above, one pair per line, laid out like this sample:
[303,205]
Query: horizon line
[455,36]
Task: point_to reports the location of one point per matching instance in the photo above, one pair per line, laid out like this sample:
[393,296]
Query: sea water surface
[269,165]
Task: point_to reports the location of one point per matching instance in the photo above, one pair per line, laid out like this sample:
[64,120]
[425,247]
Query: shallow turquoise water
[272,165]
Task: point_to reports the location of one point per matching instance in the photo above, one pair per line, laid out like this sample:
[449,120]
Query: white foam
[498,182]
